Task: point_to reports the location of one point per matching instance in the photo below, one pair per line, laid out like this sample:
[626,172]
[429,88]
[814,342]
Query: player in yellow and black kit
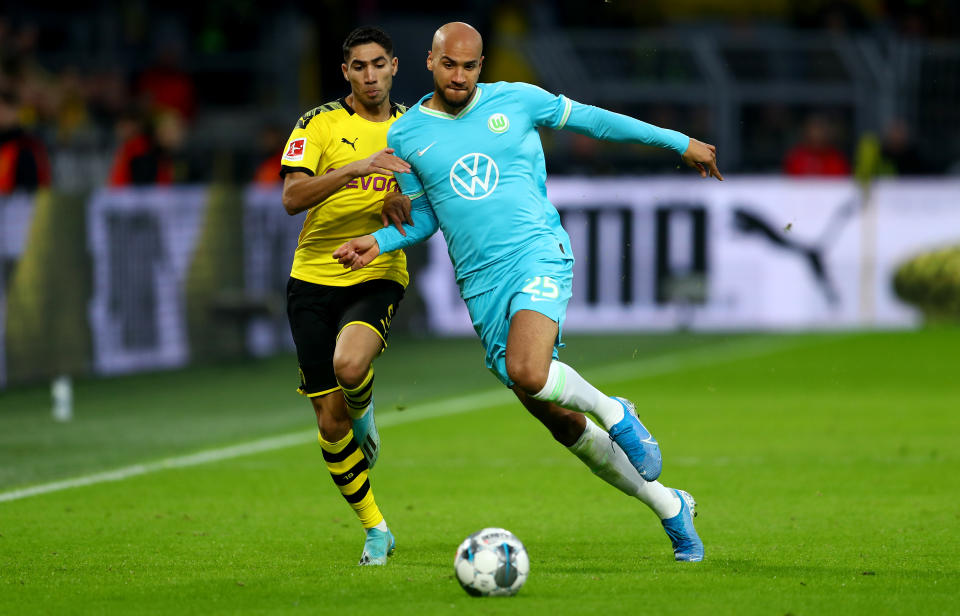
[336,165]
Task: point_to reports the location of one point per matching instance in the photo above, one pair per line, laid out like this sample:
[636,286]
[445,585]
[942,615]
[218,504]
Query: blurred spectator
[271,144]
[23,158]
[837,16]
[505,59]
[816,154]
[145,152]
[899,154]
[166,86]
[924,18]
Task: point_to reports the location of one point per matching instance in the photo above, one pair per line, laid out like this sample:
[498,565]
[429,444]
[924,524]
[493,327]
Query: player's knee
[527,374]
[350,369]
[332,419]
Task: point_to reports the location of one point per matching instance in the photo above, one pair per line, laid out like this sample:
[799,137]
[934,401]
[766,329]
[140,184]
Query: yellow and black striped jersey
[325,139]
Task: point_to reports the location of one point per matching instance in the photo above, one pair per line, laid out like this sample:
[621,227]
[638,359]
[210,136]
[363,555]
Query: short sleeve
[545,109]
[304,147]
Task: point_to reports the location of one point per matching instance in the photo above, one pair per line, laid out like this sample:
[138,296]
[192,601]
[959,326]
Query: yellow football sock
[348,468]
[358,398]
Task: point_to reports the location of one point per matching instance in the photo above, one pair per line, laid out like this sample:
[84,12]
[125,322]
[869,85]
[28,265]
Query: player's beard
[455,104]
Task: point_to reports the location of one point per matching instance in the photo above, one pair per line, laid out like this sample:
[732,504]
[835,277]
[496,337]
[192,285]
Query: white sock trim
[555,381]
[568,389]
[608,462]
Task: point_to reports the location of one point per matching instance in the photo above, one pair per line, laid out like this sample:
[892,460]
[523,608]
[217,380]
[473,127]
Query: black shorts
[318,313]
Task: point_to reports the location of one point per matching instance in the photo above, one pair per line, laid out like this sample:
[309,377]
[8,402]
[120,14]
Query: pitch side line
[620,371]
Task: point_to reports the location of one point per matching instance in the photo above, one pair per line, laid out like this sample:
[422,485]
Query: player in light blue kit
[478,174]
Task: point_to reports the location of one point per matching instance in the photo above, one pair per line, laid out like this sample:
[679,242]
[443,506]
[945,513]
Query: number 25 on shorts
[542,288]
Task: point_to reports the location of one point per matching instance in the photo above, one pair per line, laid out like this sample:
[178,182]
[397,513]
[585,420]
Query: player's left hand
[396,211]
[702,157]
[358,252]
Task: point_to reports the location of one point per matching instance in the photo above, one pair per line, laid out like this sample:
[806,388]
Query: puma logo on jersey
[352,144]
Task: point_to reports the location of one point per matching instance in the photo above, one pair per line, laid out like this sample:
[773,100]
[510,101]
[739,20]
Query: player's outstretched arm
[384,162]
[702,157]
[302,191]
[423,224]
[608,125]
[358,252]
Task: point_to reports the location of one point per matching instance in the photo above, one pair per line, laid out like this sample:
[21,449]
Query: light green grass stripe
[622,371]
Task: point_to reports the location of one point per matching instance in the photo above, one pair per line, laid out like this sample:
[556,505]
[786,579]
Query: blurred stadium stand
[744,74]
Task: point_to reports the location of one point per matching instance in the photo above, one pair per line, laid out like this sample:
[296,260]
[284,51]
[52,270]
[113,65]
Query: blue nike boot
[641,448]
[687,546]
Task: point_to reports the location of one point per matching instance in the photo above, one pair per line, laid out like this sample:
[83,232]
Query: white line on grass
[635,369]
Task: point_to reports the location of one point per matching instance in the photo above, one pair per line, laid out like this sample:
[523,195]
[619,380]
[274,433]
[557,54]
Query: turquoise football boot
[635,440]
[367,437]
[687,546]
[377,547]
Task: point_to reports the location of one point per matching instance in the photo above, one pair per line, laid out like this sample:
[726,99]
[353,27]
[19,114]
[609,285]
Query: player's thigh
[364,328]
[314,312]
[531,339]
[492,312]
[537,310]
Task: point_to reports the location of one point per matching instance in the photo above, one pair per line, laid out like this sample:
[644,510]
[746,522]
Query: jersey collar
[446,116]
[394,107]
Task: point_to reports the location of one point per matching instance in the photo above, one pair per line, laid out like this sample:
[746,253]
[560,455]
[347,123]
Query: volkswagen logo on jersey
[474,176]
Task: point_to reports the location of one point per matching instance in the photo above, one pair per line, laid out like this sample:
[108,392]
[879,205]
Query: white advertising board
[16,215]
[141,244]
[747,253]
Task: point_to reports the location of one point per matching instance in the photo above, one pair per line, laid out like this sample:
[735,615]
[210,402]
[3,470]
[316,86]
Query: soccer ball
[491,562]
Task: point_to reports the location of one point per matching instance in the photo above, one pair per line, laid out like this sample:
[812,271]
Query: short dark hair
[367,34]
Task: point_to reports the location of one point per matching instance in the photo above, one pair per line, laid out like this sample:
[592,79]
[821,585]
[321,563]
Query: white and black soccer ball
[491,562]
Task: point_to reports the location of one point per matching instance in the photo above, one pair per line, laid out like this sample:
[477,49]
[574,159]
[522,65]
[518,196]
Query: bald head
[455,61]
[455,37]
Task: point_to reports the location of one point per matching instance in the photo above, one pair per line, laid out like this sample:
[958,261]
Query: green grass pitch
[826,468]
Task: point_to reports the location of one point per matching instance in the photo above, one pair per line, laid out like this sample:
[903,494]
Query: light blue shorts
[543,285]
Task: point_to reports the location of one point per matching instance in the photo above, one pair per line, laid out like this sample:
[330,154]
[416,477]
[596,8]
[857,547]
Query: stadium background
[180,256]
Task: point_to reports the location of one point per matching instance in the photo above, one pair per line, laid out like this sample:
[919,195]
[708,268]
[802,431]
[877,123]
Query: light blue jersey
[480,177]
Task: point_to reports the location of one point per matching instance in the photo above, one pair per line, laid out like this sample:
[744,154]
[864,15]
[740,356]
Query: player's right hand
[396,211]
[383,162]
[357,252]
[703,158]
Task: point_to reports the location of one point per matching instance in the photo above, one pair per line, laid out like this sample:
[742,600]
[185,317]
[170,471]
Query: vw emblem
[474,176]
